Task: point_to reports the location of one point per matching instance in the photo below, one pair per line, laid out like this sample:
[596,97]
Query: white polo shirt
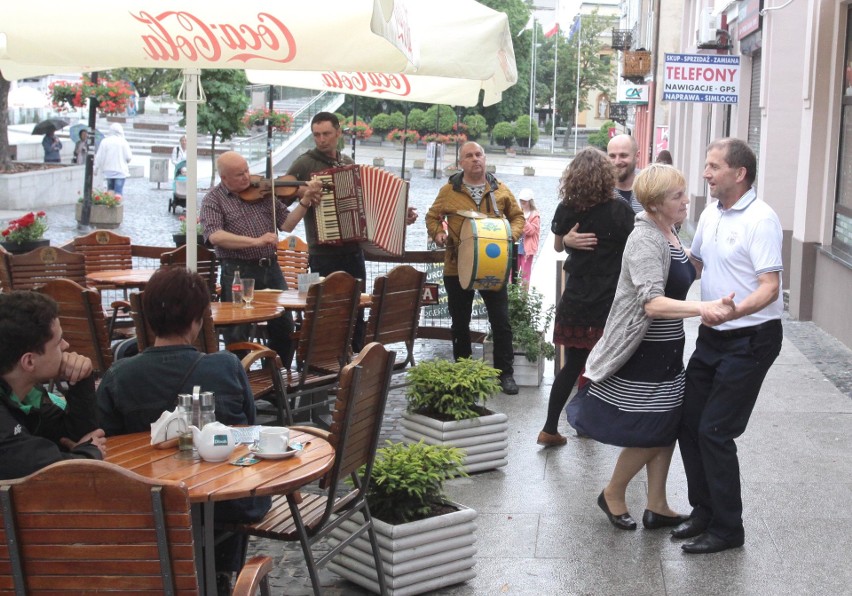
[735,246]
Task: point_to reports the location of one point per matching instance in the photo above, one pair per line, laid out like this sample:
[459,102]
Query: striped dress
[640,405]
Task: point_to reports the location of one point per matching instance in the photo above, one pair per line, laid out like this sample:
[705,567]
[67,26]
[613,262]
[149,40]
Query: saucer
[289,453]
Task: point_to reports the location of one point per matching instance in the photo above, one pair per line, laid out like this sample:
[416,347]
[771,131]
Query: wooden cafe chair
[28,270]
[206,264]
[119,533]
[354,434]
[104,251]
[324,346]
[293,259]
[395,310]
[81,315]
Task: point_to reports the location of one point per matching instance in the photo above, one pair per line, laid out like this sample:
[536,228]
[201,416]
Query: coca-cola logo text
[181,35]
[373,82]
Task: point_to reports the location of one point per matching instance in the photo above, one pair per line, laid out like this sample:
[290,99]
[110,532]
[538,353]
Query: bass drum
[485,248]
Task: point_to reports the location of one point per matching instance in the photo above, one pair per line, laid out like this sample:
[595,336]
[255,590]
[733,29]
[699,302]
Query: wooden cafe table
[231,313]
[294,300]
[210,482]
[120,278]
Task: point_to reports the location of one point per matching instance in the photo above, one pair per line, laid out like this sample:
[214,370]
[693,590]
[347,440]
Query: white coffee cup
[274,439]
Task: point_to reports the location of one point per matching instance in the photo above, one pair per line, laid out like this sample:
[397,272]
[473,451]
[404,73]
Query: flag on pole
[530,24]
[553,31]
[575,27]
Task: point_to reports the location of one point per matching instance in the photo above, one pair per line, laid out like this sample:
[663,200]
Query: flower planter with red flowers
[106,211]
[25,233]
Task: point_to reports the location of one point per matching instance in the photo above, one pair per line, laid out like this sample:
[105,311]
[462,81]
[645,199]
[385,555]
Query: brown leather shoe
[551,440]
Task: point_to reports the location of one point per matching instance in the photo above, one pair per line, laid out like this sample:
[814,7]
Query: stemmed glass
[248,291]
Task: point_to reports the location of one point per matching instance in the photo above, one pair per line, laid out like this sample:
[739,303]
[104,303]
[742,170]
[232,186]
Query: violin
[286,187]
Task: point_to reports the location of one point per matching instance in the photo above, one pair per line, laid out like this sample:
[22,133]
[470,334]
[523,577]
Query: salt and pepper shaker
[207,408]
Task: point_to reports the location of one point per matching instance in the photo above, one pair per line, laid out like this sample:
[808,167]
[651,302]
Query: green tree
[516,99]
[600,139]
[148,81]
[397,120]
[526,131]
[5,155]
[476,125]
[504,134]
[445,115]
[382,124]
[222,115]
[595,69]
[417,121]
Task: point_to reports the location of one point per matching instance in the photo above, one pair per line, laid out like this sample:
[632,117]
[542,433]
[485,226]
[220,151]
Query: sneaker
[508,385]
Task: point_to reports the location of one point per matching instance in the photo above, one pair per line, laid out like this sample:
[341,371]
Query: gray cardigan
[644,271]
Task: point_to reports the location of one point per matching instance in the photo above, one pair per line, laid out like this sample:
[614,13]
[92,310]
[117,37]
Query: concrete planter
[379,162]
[419,164]
[527,373]
[101,216]
[417,557]
[491,169]
[37,189]
[529,171]
[485,439]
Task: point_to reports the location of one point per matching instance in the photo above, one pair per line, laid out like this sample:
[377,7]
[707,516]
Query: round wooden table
[121,278]
[294,300]
[230,313]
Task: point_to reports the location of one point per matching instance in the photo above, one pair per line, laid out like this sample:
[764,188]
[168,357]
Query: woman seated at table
[136,391]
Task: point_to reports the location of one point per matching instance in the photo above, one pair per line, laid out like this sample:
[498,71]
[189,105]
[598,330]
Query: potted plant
[113,96]
[446,407]
[180,237]
[25,233]
[280,121]
[107,210]
[529,320]
[426,541]
[397,136]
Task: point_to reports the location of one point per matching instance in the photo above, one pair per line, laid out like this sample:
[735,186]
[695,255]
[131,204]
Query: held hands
[579,240]
[441,238]
[718,311]
[97,437]
[74,367]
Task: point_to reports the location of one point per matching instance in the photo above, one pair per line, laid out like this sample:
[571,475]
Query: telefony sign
[702,78]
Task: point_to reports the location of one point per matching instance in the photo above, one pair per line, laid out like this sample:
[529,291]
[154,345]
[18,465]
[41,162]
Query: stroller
[179,188]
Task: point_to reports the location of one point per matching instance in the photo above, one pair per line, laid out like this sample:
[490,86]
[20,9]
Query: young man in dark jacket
[38,428]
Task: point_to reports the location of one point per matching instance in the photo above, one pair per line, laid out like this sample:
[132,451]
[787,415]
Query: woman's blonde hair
[654,182]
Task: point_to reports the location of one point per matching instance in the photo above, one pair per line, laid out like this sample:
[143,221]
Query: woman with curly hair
[588,198]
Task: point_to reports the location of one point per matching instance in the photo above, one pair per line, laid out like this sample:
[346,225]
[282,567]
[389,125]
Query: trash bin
[159,171]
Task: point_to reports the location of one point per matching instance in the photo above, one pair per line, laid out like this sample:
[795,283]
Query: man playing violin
[326,258]
[245,238]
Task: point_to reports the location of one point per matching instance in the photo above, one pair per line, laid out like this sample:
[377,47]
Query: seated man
[38,428]
[136,391]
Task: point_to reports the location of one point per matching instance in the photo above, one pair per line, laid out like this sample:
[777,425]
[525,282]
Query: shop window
[842,239]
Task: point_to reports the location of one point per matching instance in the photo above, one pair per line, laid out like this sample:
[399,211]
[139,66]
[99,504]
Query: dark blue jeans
[279,329]
[723,380]
[460,304]
[353,264]
[116,185]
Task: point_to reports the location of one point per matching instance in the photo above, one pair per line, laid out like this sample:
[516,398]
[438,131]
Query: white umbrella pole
[191,85]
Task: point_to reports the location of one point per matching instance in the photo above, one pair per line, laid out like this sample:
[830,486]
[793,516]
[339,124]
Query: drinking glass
[248,291]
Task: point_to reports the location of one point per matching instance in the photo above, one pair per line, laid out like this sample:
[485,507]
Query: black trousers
[723,380]
[460,304]
[354,265]
[279,329]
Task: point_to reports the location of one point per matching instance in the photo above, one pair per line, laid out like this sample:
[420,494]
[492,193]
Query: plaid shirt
[224,210]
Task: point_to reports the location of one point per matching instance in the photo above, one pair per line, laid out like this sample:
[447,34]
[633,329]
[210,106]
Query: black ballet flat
[622,522]
[655,521]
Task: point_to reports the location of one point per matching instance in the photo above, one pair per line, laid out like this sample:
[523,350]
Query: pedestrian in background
[51,146]
[113,158]
[179,152]
[528,242]
[81,148]
[589,206]
[665,157]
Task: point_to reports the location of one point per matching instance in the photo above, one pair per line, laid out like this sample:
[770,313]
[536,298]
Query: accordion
[364,204]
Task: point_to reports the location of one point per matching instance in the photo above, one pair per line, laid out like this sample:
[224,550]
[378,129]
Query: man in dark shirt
[327,258]
[38,428]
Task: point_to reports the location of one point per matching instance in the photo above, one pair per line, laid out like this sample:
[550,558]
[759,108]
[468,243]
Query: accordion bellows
[364,204]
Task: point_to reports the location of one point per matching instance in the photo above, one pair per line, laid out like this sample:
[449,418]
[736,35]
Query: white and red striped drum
[484,256]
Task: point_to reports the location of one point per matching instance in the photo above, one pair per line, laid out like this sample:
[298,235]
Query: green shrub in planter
[529,321]
[407,482]
[451,390]
[504,134]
